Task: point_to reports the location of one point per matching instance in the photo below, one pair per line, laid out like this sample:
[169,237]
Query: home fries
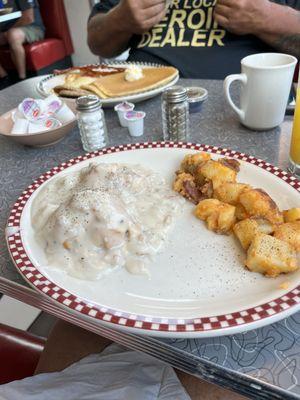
[270,237]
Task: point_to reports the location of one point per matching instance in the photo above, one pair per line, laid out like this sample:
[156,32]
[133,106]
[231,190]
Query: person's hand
[242,16]
[138,16]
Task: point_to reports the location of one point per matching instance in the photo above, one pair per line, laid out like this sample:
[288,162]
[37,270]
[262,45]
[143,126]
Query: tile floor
[42,325]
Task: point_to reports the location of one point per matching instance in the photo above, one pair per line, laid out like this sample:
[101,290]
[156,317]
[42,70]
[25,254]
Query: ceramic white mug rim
[293,61]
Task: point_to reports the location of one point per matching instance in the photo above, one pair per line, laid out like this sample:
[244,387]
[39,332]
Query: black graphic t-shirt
[189,39]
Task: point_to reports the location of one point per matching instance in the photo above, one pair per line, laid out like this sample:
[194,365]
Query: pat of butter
[133,73]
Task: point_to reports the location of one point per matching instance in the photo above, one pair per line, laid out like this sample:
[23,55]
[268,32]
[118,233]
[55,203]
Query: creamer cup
[121,109]
[53,104]
[31,109]
[135,121]
[51,123]
[64,114]
[43,126]
[36,128]
[20,126]
[15,115]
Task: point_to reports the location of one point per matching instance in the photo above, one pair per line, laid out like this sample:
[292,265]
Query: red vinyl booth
[52,52]
[19,353]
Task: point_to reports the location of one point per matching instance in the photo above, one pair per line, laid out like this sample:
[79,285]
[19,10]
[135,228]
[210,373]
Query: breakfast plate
[47,84]
[197,285]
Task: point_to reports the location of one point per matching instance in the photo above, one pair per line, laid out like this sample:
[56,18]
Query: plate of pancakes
[107,81]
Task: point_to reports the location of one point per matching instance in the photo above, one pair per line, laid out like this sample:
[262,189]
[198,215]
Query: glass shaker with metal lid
[91,123]
[175,114]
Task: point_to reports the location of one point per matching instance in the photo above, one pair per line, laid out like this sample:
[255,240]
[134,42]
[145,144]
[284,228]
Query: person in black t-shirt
[27,29]
[202,38]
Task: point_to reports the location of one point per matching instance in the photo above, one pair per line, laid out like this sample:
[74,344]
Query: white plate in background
[46,84]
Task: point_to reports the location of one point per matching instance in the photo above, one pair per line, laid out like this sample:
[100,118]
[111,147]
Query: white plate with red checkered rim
[198,287]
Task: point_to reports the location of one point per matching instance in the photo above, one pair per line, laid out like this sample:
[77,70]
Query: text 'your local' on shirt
[189,38]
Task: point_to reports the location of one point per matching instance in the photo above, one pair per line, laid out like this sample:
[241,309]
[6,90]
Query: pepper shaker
[91,123]
[175,114]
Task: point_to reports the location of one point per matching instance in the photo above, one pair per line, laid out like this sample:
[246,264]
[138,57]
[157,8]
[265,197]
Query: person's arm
[106,37]
[277,25]
[283,30]
[109,34]
[27,18]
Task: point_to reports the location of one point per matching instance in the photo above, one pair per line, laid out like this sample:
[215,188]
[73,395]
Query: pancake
[76,82]
[93,89]
[73,93]
[116,85]
[73,83]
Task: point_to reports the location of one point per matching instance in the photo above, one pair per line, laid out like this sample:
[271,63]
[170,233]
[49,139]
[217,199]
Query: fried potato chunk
[291,215]
[258,203]
[218,216]
[231,163]
[217,172]
[185,185]
[246,230]
[192,161]
[289,233]
[229,192]
[270,256]
[240,212]
[200,178]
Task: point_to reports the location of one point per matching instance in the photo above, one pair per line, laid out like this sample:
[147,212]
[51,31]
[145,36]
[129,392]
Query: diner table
[10,16]
[262,363]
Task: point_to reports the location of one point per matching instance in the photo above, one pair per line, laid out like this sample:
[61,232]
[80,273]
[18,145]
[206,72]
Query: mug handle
[227,83]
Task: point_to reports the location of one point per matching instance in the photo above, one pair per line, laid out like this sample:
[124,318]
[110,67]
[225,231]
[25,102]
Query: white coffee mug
[266,83]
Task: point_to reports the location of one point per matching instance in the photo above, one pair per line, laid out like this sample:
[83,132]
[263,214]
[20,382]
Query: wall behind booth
[78,12]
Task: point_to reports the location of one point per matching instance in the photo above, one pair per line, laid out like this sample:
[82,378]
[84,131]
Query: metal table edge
[178,358]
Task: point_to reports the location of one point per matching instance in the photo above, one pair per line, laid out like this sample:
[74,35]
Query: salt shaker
[91,123]
[175,114]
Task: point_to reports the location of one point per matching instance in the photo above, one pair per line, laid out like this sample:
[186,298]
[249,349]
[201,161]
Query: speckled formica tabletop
[264,363]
